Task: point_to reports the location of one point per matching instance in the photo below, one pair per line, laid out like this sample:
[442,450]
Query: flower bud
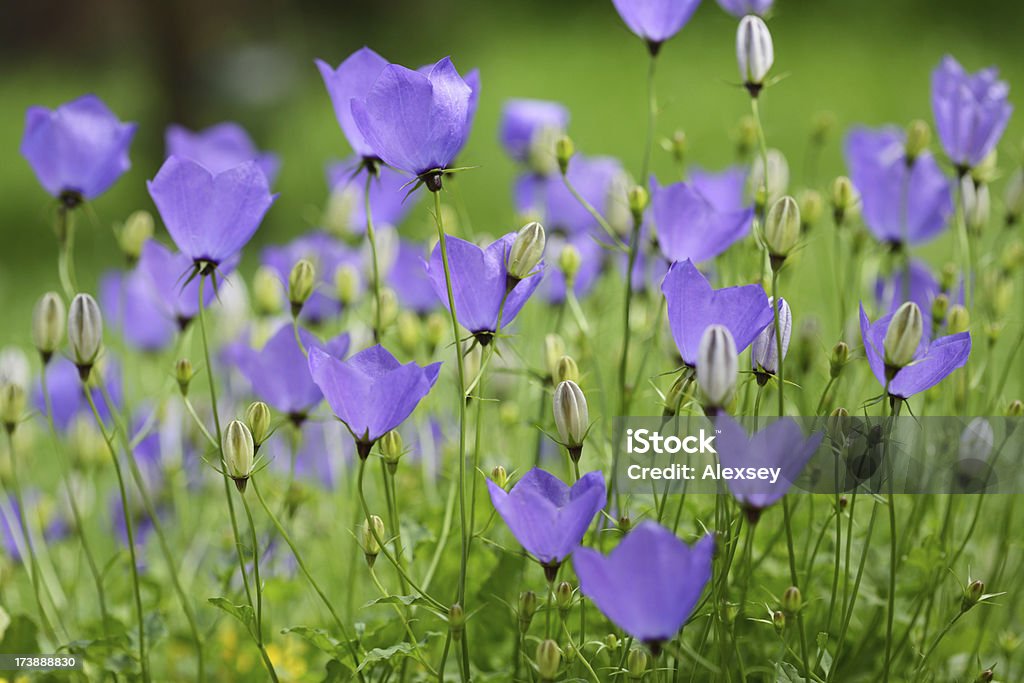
[527,608]
[977,204]
[779,620]
[391,449]
[792,600]
[48,323]
[811,208]
[782,229]
[903,336]
[844,198]
[410,331]
[257,418]
[986,676]
[674,397]
[85,332]
[499,476]
[919,137]
[183,372]
[569,262]
[567,370]
[840,354]
[456,621]
[300,284]
[372,530]
[526,252]
[636,663]
[388,307]
[611,641]
[549,660]
[434,330]
[822,125]
[959,320]
[637,198]
[987,169]
[554,349]
[572,418]
[764,349]
[625,523]
[777,177]
[564,150]
[940,306]
[973,594]
[1015,409]
[239,453]
[1014,197]
[267,292]
[346,283]
[133,234]
[717,367]
[12,405]
[754,52]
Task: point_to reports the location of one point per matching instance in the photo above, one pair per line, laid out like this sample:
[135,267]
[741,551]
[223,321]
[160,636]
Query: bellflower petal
[127,297]
[410,279]
[523,122]
[741,8]
[352,80]
[971,111]
[390,201]
[219,148]
[655,20]
[701,219]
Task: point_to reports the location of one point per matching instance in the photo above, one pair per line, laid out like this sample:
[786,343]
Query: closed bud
[456,621]
[239,453]
[48,324]
[977,204]
[940,306]
[267,292]
[1016,408]
[792,600]
[782,228]
[554,349]
[346,283]
[987,169]
[388,307]
[919,137]
[768,188]
[754,52]
[717,367]
[567,370]
[14,367]
[636,663]
[134,233]
[12,405]
[840,354]
[985,676]
[434,330]
[779,620]
[564,150]
[569,262]
[499,476]
[972,595]
[549,660]
[372,530]
[947,277]
[85,332]
[527,608]
[764,350]
[844,198]
[526,252]
[184,372]
[959,320]
[625,523]
[903,336]
[811,208]
[637,198]
[1012,256]
[300,284]
[563,596]
[572,418]
[410,331]
[257,417]
[822,125]
[1014,197]
[611,641]
[392,449]
[674,397]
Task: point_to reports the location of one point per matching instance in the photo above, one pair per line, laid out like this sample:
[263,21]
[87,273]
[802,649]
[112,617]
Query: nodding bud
[12,405]
[840,354]
[569,262]
[764,356]
[572,418]
[410,331]
[499,476]
[372,530]
[300,284]
[48,324]
[554,349]
[782,229]
[563,596]
[636,663]
[183,372]
[919,137]
[527,608]
[977,203]
[434,330]
[1014,197]
[611,641]
[638,198]
[564,150]
[1015,409]
[239,453]
[717,367]
[456,621]
[779,620]
[134,233]
[958,320]
[391,449]
[844,198]
[257,418]
[549,660]
[267,292]
[973,594]
[346,283]
[85,332]
[754,52]
[812,206]
[903,336]
[566,369]
[940,306]
[526,252]
[792,600]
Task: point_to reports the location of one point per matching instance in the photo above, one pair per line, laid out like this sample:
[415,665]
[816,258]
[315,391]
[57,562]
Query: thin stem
[66,255]
[652,115]
[793,576]
[371,236]
[259,590]
[781,374]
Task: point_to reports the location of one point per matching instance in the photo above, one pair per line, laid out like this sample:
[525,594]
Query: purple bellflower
[352,80]
[525,123]
[650,583]
[410,280]
[371,392]
[741,8]
[971,111]
[592,258]
[326,254]
[210,216]
[480,284]
[128,305]
[166,274]
[903,201]
[78,149]
[693,305]
[548,199]
[700,219]
[655,20]
[219,148]
[548,517]
[11,538]
[67,398]
[933,361]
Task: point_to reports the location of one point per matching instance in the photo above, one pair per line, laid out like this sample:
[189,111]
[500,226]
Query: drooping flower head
[390,201]
[416,122]
[693,305]
[741,8]
[529,129]
[352,80]
[327,254]
[210,216]
[480,281]
[781,444]
[971,111]
[547,516]
[700,219]
[932,362]
[78,149]
[371,392]
[219,148]
[902,201]
[650,583]
[655,20]
[279,372]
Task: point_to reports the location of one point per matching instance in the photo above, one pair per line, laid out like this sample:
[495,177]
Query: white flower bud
[782,228]
[85,331]
[12,405]
[554,349]
[239,453]
[267,291]
[14,367]
[371,531]
[764,350]
[717,366]
[977,203]
[48,323]
[754,51]
[572,418]
[134,233]
[1014,197]
[778,176]
[903,336]
[526,252]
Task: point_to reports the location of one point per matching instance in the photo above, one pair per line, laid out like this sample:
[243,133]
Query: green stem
[793,576]
[371,236]
[781,374]
[652,115]
[259,590]
[66,255]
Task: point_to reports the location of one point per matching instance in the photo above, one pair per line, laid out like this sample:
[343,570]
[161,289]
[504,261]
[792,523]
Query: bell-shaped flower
[219,148]
[529,125]
[655,20]
[741,8]
[352,80]
[971,111]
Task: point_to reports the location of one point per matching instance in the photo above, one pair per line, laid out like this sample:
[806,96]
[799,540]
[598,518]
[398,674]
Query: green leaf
[377,654]
[323,641]
[243,613]
[5,621]
[21,635]
[787,673]
[336,672]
